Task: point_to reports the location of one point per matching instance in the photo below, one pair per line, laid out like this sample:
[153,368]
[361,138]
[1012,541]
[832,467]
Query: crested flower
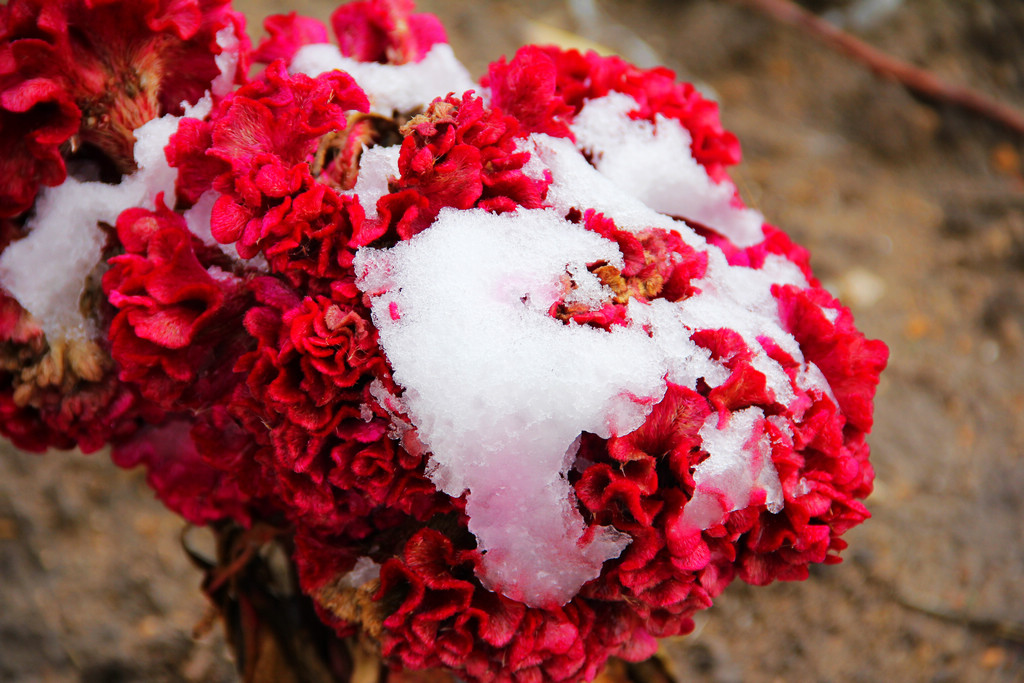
[458,154]
[257,151]
[79,77]
[512,370]
[545,88]
[175,309]
[385,31]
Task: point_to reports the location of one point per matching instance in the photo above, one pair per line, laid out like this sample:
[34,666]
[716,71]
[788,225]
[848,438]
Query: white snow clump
[500,390]
[652,162]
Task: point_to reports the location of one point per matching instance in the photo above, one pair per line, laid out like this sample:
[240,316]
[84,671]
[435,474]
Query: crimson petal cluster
[89,72]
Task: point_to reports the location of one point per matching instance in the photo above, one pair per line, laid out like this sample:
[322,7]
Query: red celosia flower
[261,385]
[59,395]
[385,31]
[544,87]
[849,362]
[179,310]
[323,353]
[446,619]
[386,474]
[34,122]
[458,154]
[267,130]
[338,345]
[642,490]
[527,88]
[307,380]
[256,149]
[286,34]
[641,483]
[89,73]
[185,483]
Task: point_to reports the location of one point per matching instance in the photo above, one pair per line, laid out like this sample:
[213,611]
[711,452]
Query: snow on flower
[511,364]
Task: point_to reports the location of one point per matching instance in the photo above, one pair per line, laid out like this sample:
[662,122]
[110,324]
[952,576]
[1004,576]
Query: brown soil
[914,214]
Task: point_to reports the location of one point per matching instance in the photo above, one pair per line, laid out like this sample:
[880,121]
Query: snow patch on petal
[738,467]
[653,163]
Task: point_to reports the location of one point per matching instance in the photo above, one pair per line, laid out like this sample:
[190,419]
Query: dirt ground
[914,214]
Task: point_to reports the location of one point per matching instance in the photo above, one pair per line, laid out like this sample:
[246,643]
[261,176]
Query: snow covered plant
[510,365]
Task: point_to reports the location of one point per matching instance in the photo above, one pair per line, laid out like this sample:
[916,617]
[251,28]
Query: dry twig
[919,80]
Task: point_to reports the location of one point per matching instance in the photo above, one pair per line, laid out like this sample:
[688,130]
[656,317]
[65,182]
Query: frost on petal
[377,166]
[737,468]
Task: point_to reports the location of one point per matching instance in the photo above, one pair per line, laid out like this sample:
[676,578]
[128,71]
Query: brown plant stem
[914,78]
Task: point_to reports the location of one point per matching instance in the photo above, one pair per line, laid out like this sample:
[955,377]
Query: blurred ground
[915,216]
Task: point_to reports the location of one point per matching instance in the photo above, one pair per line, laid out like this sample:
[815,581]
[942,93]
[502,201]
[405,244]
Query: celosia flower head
[85,74]
[525,380]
